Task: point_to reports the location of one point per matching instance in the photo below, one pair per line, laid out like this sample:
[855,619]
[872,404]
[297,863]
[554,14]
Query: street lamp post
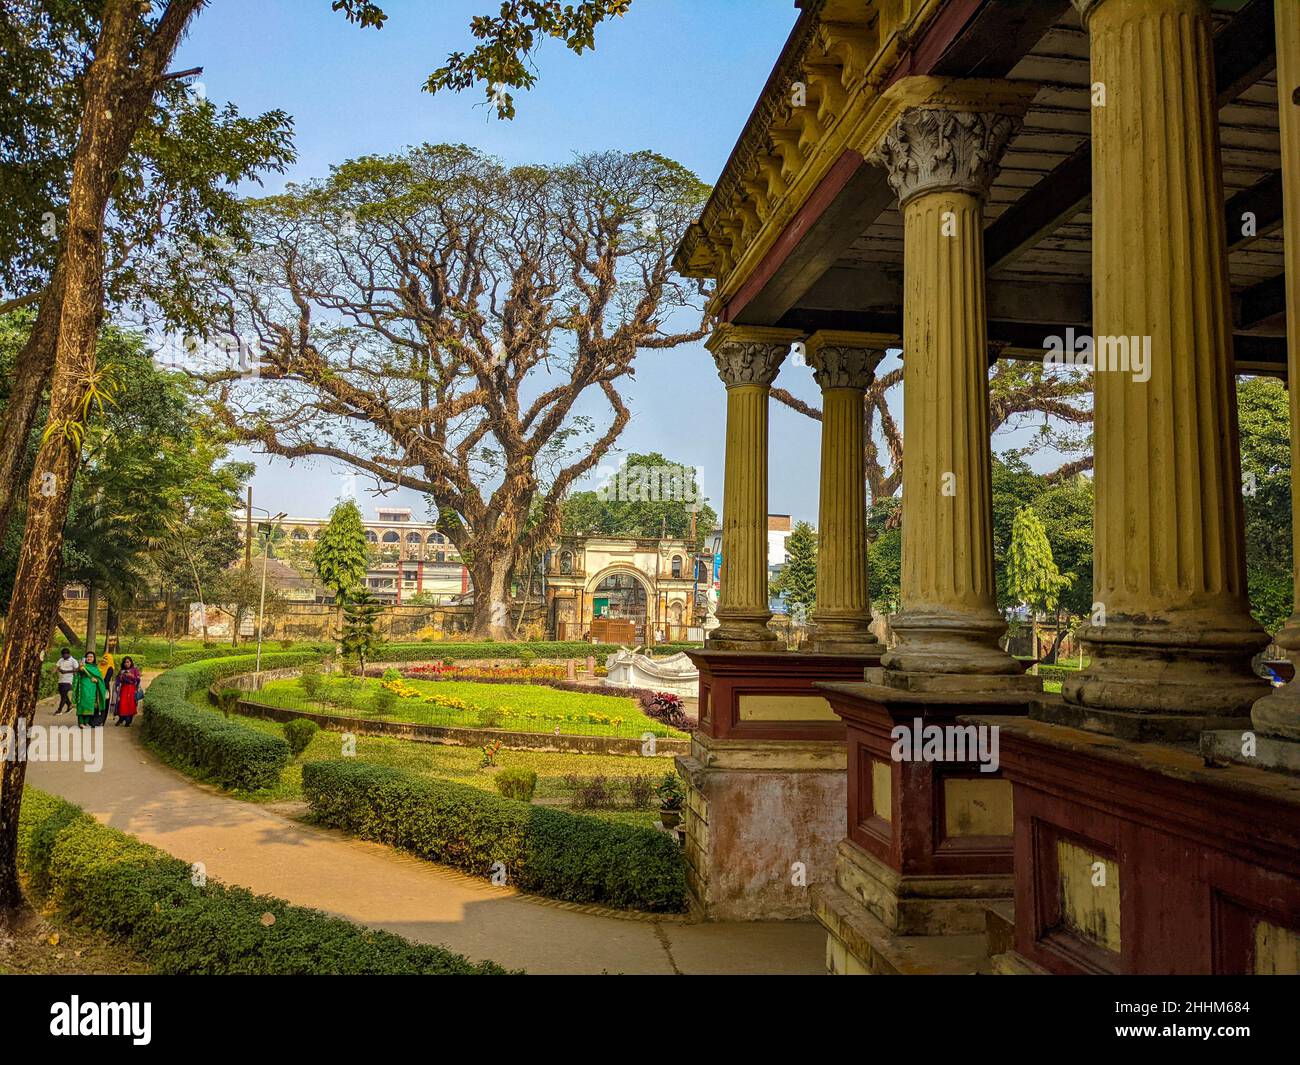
[265,528]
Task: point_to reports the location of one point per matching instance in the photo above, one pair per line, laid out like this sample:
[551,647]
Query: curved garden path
[268,852]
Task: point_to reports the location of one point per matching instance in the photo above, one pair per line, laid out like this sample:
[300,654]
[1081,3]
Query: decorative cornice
[843,359]
[798,126]
[749,355]
[931,150]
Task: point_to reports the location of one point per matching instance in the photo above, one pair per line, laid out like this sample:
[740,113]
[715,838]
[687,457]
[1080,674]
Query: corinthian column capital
[931,149]
[749,355]
[845,360]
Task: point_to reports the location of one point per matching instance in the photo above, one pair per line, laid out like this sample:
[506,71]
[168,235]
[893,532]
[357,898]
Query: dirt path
[262,849]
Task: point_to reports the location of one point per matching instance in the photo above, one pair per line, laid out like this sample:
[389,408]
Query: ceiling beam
[1263,300]
[1263,200]
[1243,53]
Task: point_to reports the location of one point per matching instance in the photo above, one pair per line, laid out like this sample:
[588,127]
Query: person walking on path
[65,666]
[91,694]
[128,687]
[109,666]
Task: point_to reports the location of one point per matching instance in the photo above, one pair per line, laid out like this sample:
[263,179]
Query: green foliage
[1065,507]
[228,699]
[299,733]
[1032,576]
[178,185]
[796,584]
[670,792]
[551,852]
[516,782]
[361,613]
[507,41]
[1264,418]
[342,553]
[140,896]
[649,495]
[225,751]
[310,680]
[383,700]
[885,555]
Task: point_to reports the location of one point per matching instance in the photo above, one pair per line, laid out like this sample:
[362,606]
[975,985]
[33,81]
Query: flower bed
[535,707]
[664,707]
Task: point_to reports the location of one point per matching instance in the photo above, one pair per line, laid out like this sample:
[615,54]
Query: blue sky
[676,76]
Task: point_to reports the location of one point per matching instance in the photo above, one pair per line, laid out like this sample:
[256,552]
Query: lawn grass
[461,764]
[513,707]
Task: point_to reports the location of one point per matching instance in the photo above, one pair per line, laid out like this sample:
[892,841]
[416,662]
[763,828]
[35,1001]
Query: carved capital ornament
[844,360]
[933,149]
[749,355]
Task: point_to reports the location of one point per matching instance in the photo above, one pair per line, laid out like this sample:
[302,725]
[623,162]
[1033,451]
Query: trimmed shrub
[148,900]
[550,852]
[516,782]
[450,650]
[383,700]
[299,733]
[310,680]
[220,749]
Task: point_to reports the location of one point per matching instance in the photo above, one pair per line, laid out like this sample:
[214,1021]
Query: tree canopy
[443,322]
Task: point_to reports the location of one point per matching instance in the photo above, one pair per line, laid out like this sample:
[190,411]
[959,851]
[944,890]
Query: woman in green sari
[89,692]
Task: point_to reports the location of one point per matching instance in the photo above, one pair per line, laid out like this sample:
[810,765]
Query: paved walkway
[268,852]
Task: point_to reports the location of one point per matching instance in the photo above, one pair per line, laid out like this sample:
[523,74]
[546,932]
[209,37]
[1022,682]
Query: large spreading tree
[442,322]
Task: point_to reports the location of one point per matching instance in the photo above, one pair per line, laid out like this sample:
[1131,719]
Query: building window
[677,565]
[566,562]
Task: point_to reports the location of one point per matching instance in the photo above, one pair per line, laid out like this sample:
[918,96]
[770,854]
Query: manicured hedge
[219,748]
[445,649]
[550,852]
[146,899]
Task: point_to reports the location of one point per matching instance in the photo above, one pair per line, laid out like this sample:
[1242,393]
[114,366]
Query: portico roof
[803,232]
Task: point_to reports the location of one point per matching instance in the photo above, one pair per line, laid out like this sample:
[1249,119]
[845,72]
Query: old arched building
[966,180]
[628,590]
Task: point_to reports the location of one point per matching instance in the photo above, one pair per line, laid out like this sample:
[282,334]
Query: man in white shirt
[66,666]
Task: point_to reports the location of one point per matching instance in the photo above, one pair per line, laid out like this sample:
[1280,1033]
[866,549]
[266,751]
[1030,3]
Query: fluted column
[941,159]
[1172,632]
[748,358]
[843,366]
[1278,714]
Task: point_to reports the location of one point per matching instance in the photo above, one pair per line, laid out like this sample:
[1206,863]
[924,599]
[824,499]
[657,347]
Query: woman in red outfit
[128,688]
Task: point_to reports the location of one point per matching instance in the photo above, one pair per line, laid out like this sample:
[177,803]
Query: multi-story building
[409,557]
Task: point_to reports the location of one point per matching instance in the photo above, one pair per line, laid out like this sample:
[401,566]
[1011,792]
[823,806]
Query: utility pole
[248,533]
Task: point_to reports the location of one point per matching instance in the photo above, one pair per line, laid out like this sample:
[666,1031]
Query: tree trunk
[114,106]
[66,629]
[30,376]
[491,618]
[110,626]
[92,614]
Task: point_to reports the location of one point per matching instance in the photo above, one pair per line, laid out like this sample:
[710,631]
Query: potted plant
[671,798]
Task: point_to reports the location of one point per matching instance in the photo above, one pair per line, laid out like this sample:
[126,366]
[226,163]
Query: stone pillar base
[852,641]
[910,905]
[762,821]
[735,633]
[1187,676]
[1246,747]
[953,683]
[1135,726]
[858,944]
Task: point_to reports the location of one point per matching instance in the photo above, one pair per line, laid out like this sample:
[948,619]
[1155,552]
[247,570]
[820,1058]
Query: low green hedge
[146,899]
[415,652]
[550,852]
[219,748]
